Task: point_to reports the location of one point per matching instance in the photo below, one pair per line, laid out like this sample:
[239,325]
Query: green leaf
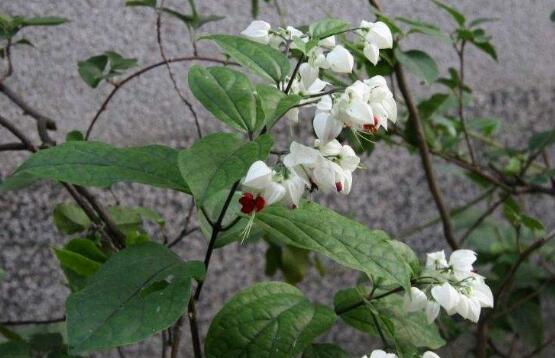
[92,69]
[351,244]
[527,322]
[46,342]
[270,319]
[17,182]
[227,94]
[455,14]
[486,126]
[70,219]
[44,21]
[262,59]
[147,3]
[419,63]
[75,135]
[424,28]
[15,349]
[79,259]
[486,47]
[532,223]
[216,161]
[324,350]
[123,294]
[482,20]
[118,63]
[275,104]
[409,329]
[541,140]
[327,27]
[101,165]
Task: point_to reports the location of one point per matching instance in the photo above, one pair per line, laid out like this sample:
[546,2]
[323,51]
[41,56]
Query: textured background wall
[520,90]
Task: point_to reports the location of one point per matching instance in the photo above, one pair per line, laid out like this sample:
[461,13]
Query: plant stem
[483,217]
[460,53]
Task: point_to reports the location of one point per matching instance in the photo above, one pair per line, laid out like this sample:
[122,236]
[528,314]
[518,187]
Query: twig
[170,72]
[177,337]
[483,217]
[140,72]
[50,124]
[295,70]
[183,234]
[12,146]
[460,53]
[16,132]
[31,322]
[192,314]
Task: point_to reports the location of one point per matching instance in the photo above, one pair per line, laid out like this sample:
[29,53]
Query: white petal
[348,159]
[316,87]
[300,155]
[331,148]
[340,60]
[391,109]
[482,293]
[308,74]
[294,32]
[462,306]
[436,260]
[360,112]
[432,311]
[376,81]
[416,301]
[347,182]
[446,296]
[473,310]
[328,176]
[380,35]
[372,53]
[358,90]
[430,354]
[326,127]
[325,104]
[273,193]
[294,190]
[259,176]
[258,31]
[462,260]
[378,353]
[328,42]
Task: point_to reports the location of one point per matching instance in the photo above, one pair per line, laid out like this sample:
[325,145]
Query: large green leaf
[136,293]
[409,330]
[270,319]
[419,63]
[275,103]
[262,59]
[101,165]
[455,14]
[324,350]
[351,244]
[227,94]
[217,161]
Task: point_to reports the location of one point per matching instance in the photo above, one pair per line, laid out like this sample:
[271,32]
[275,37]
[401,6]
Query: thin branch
[295,70]
[177,338]
[193,324]
[27,109]
[140,72]
[483,217]
[425,157]
[19,134]
[544,345]
[170,72]
[12,147]
[460,53]
[33,322]
[183,234]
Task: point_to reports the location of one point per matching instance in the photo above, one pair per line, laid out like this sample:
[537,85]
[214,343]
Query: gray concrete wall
[520,90]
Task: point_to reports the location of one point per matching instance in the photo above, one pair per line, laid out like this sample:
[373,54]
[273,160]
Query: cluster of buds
[326,165]
[461,291]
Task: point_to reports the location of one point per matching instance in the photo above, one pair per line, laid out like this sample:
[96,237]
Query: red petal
[259,203]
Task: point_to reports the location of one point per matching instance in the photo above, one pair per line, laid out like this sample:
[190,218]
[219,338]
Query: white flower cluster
[363,106]
[463,291]
[378,353]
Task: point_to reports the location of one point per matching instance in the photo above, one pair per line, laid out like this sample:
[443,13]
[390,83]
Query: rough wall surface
[520,90]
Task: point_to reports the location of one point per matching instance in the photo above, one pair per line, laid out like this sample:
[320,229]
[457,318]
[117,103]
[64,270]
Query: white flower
[480,291]
[348,160]
[328,149]
[432,311]
[293,32]
[416,301]
[273,193]
[461,262]
[259,176]
[329,176]
[340,60]
[381,100]
[326,126]
[258,31]
[325,104]
[294,190]
[378,353]
[377,36]
[328,42]
[446,295]
[436,260]
[309,82]
[430,354]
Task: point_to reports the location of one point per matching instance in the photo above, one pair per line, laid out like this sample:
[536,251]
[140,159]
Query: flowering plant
[246,187]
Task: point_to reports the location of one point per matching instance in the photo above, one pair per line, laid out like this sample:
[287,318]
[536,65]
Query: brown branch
[122,83]
[12,147]
[483,217]
[50,124]
[460,53]
[17,133]
[193,324]
[8,57]
[32,322]
[170,72]
[425,157]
